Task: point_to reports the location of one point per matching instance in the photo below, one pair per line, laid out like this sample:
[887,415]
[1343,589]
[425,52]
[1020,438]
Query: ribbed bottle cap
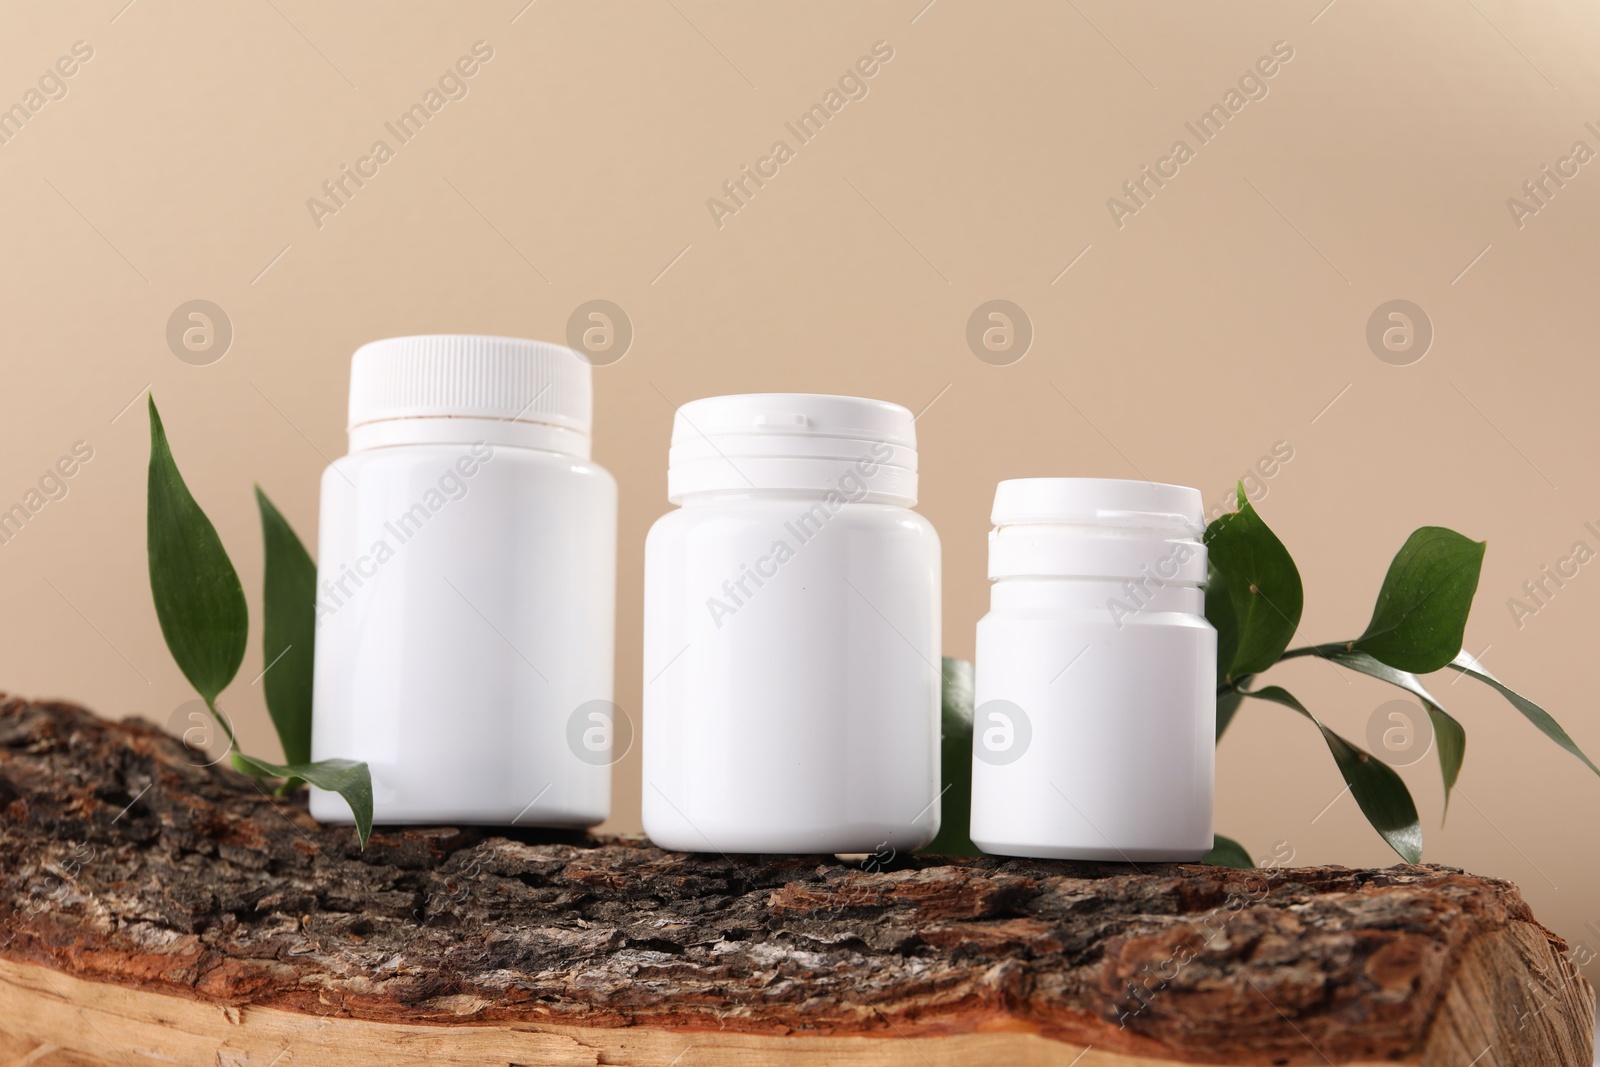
[1099,502]
[453,387]
[864,449]
[1097,528]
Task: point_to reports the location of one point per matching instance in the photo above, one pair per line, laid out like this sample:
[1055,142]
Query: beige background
[1226,316]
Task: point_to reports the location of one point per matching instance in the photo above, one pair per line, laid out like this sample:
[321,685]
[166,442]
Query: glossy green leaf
[246,765]
[1449,737]
[289,628]
[1226,852]
[1380,792]
[1219,612]
[1227,704]
[349,778]
[198,598]
[955,761]
[1421,613]
[1263,586]
[1468,665]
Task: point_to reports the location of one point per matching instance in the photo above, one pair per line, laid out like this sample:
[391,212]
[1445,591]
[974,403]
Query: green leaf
[349,778]
[1468,665]
[197,594]
[246,765]
[1421,613]
[1449,737]
[1382,795]
[1263,586]
[289,629]
[1226,852]
[1219,612]
[1227,704]
[955,761]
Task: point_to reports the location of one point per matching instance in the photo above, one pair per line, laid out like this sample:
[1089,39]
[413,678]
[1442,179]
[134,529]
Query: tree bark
[158,912]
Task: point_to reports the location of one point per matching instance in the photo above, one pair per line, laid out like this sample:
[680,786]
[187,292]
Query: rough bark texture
[123,863]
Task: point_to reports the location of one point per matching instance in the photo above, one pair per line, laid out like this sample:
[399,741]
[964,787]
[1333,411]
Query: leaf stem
[1235,685]
[1317,650]
[233,742]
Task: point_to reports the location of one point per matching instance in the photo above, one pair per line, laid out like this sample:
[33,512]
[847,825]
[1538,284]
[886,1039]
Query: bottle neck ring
[450,430]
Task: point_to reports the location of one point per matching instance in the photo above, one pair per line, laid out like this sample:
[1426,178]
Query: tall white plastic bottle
[791,641]
[1094,733]
[467,587]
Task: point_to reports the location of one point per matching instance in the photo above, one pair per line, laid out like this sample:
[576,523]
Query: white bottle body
[1094,725]
[482,620]
[806,718]
[1119,764]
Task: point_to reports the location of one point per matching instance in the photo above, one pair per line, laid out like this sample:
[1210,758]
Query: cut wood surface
[157,911]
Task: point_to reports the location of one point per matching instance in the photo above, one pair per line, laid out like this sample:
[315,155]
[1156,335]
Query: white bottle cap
[1097,528]
[449,388]
[866,450]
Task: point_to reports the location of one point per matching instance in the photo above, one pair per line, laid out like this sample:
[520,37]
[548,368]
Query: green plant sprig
[1254,599]
[205,621]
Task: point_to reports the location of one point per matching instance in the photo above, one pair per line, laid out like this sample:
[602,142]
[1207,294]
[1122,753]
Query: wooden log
[153,911]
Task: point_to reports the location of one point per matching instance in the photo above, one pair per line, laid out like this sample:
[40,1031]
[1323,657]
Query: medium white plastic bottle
[791,641]
[466,587]
[1094,732]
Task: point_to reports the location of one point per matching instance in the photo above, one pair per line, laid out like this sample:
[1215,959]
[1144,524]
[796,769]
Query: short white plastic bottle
[791,640]
[1094,733]
[467,586]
